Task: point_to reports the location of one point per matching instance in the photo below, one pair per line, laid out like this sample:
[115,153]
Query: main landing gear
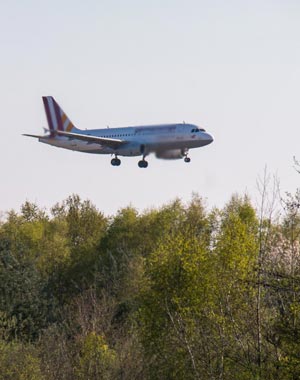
[143,163]
[115,161]
[187,159]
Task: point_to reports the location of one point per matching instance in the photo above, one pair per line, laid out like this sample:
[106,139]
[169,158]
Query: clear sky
[231,67]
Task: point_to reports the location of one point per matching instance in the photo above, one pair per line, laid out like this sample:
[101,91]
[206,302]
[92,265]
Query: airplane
[167,141]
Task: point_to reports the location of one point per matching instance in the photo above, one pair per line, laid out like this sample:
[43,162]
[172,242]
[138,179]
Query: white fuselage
[140,140]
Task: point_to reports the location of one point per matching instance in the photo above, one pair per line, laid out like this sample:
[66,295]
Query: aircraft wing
[111,143]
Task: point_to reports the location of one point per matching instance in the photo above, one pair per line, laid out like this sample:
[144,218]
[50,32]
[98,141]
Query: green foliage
[178,292]
[19,362]
[97,360]
[196,279]
[24,306]
[119,244]
[172,300]
[82,227]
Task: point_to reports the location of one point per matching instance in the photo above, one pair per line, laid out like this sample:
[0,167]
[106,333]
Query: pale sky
[231,67]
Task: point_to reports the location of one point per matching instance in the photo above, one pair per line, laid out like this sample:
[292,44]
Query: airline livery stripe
[66,124]
[64,118]
[58,116]
[47,110]
[69,127]
[52,113]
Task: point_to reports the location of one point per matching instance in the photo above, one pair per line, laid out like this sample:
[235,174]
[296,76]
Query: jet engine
[172,154]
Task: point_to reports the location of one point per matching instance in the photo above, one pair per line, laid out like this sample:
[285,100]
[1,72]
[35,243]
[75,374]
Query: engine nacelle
[172,154]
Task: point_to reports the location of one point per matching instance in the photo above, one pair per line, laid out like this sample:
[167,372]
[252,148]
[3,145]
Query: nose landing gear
[185,153]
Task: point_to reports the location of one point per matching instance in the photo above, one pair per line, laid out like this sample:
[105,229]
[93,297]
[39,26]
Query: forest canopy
[176,292]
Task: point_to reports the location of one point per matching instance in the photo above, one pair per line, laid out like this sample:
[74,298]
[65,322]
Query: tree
[96,359]
[25,307]
[284,290]
[19,362]
[234,260]
[83,228]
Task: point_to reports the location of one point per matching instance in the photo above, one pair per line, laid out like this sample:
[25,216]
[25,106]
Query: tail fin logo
[56,117]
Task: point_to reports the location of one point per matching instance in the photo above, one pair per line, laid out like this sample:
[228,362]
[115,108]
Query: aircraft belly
[175,144]
[167,145]
[131,149]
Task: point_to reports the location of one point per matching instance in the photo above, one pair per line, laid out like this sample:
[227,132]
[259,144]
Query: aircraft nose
[209,138]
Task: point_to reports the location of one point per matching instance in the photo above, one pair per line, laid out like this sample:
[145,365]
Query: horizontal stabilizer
[36,136]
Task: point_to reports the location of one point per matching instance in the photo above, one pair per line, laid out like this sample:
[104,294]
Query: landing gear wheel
[115,162]
[143,164]
[187,159]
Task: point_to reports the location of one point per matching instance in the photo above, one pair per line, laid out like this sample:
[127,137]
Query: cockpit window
[195,130]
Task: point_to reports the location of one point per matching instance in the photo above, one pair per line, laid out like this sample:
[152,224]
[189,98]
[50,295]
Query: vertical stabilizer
[56,117]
